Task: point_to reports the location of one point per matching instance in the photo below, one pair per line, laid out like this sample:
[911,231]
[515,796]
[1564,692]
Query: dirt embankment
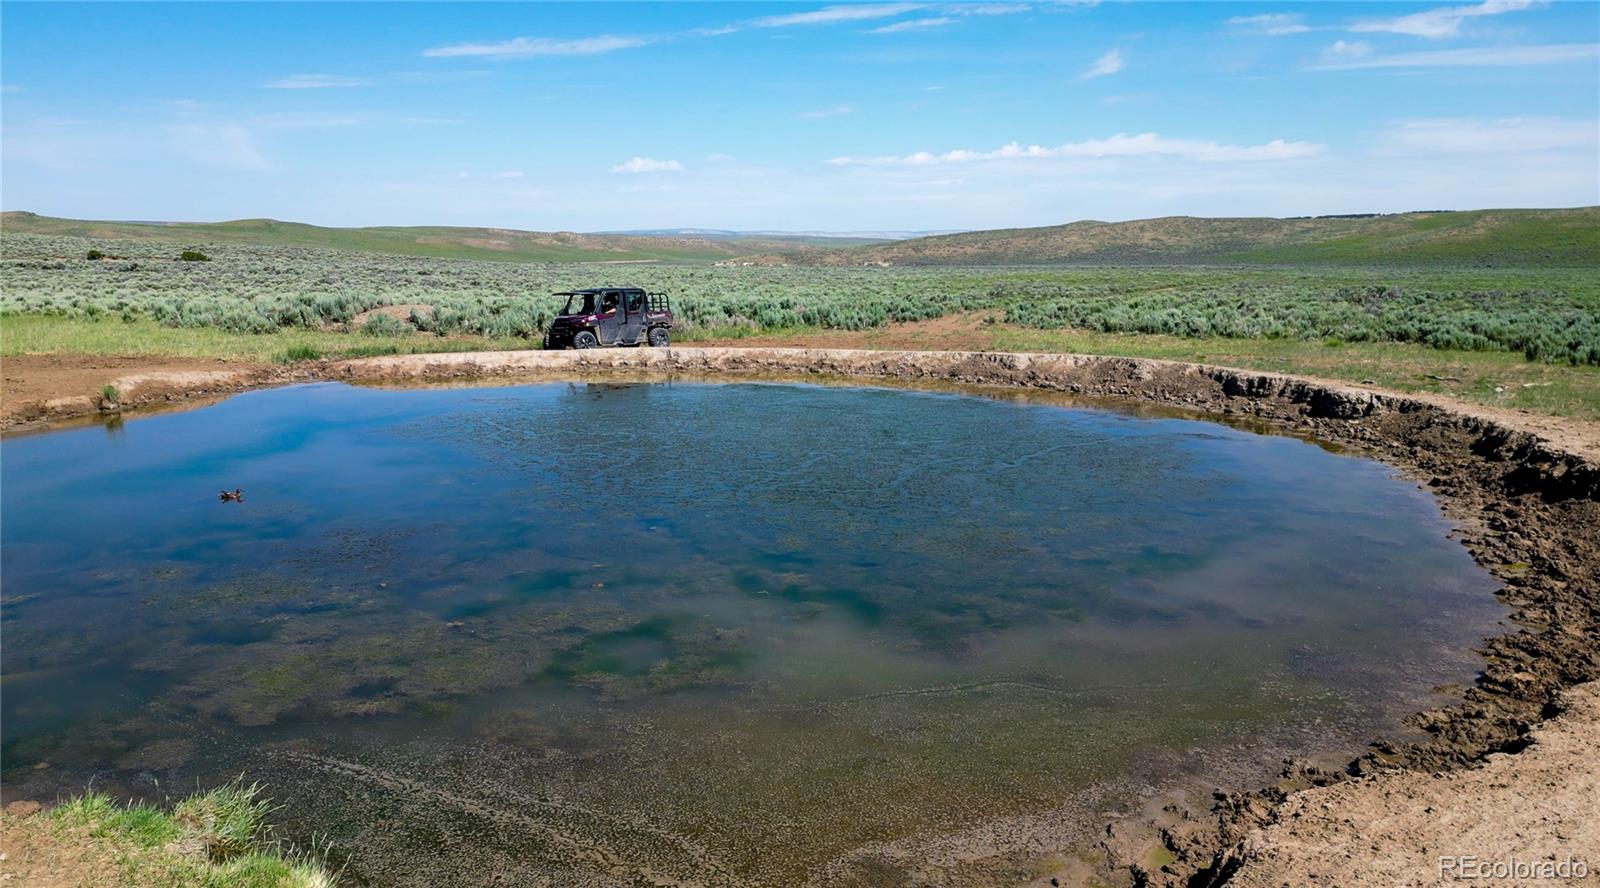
[1540,806]
[1524,491]
[45,388]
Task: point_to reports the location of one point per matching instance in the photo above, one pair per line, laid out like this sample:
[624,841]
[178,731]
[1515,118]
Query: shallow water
[726,633]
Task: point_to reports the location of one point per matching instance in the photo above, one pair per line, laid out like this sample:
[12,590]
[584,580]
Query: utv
[611,316]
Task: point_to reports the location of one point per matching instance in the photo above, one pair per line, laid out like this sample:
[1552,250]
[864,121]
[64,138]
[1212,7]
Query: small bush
[376,349]
[384,325]
[111,395]
[94,254]
[193,256]
[299,353]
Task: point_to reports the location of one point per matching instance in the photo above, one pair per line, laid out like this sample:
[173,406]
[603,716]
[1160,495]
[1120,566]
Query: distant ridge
[1512,237]
[1556,237]
[502,244]
[820,237]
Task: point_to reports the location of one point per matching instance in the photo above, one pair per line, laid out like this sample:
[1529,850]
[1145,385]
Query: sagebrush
[1544,314]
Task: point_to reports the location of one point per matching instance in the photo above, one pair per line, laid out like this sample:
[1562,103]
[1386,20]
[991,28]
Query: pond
[724,633]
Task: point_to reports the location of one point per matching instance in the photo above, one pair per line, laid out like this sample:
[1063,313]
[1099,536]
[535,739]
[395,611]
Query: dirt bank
[1542,804]
[42,388]
[1524,491]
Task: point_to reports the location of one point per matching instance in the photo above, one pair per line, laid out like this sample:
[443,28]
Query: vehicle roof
[589,290]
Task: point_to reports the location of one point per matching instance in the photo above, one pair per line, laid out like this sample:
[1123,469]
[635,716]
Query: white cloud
[316,81]
[509,174]
[1110,63]
[850,12]
[1273,23]
[1475,57]
[1442,22]
[914,24]
[1120,145]
[647,165]
[819,114]
[225,145]
[10,88]
[1345,50]
[538,46]
[989,8]
[1509,135]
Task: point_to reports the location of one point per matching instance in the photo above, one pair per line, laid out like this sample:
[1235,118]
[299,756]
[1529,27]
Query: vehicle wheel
[584,339]
[659,337]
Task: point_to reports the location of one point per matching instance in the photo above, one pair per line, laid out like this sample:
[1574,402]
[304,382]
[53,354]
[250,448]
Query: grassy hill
[1482,238]
[445,242]
[1476,238]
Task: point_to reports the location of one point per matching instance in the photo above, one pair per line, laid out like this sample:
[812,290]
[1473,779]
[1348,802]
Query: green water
[725,634]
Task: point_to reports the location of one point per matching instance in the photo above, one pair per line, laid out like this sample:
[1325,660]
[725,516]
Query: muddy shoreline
[1524,495]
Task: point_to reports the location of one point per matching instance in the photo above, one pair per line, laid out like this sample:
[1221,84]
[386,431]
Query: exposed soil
[1542,804]
[1524,492]
[40,388]
[400,312]
[36,852]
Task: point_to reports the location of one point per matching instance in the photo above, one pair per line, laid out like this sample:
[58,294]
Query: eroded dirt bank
[45,388]
[1525,492]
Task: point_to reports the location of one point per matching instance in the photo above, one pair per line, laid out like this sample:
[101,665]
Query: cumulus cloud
[648,165]
[316,81]
[1120,145]
[1442,22]
[1110,63]
[849,12]
[1275,24]
[1509,135]
[519,47]
[1474,57]
[914,24]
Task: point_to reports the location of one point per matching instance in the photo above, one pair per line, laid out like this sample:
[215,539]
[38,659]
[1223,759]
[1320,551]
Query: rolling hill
[1481,238]
[446,242]
[1563,237]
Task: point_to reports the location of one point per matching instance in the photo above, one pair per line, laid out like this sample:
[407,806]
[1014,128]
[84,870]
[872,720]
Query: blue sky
[598,116]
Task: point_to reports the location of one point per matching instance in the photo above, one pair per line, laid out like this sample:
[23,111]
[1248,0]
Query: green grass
[1497,379]
[215,839]
[1480,237]
[47,334]
[1494,379]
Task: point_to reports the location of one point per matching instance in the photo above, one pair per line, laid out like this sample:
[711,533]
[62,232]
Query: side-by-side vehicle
[603,316]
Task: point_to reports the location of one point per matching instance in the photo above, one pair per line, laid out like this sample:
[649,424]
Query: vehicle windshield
[579,303]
